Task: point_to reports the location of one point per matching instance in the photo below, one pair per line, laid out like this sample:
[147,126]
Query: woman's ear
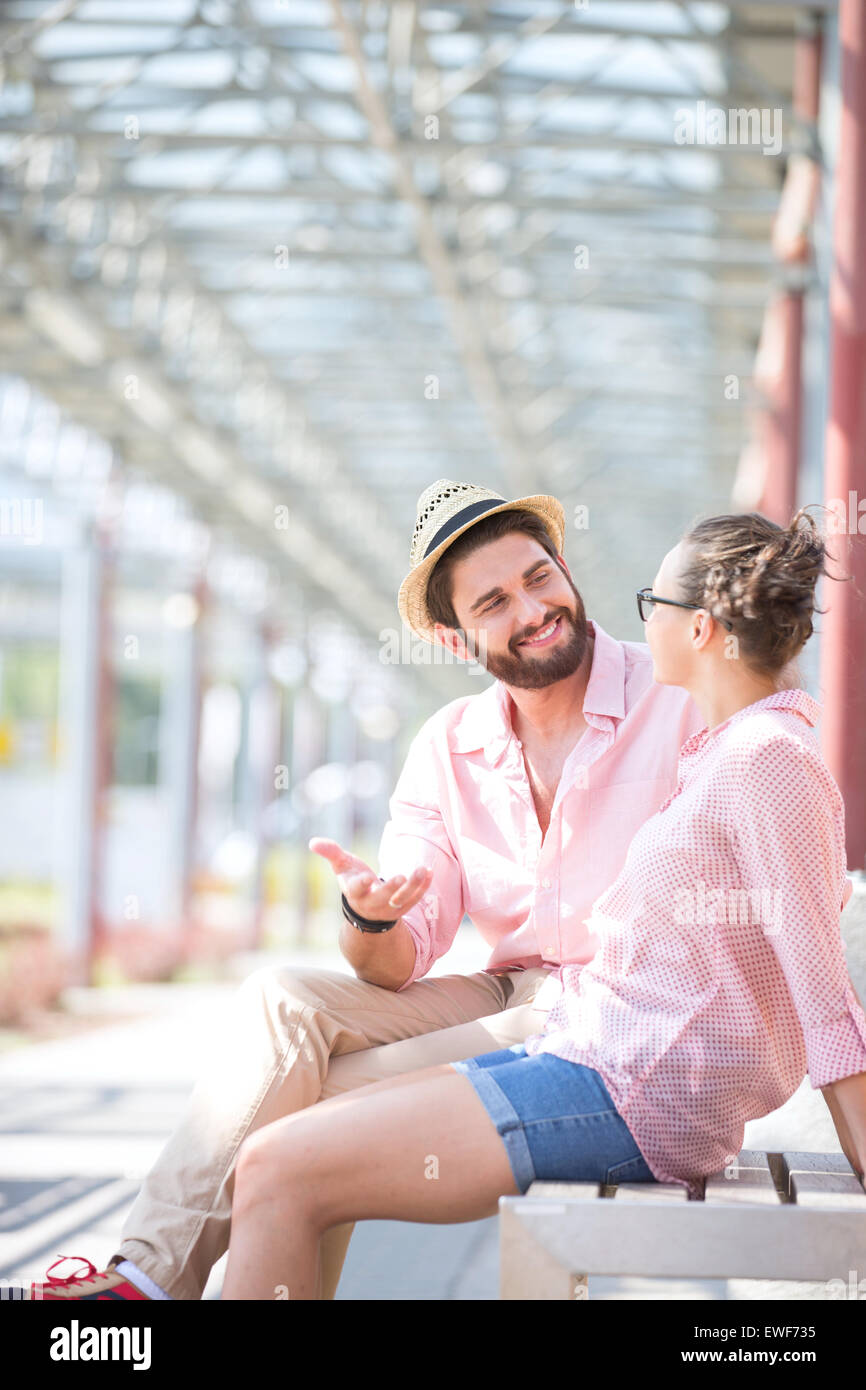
[703,627]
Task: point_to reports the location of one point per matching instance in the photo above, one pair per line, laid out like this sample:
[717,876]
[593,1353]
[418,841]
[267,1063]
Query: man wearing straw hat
[515,806]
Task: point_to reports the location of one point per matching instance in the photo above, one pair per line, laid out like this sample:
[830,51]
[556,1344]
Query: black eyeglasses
[646,596]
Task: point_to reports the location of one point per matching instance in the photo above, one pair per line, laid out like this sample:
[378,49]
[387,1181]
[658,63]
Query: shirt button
[549,951]
[545,883]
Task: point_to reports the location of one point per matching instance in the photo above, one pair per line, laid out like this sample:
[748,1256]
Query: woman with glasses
[718,981]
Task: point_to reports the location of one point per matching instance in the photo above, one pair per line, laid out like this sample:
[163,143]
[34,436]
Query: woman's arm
[846,1101]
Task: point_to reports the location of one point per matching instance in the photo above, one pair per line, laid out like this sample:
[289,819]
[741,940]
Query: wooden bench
[767,1216]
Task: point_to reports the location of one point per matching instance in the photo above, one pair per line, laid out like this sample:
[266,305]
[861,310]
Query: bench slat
[563,1189]
[750,1183]
[650,1192]
[823,1180]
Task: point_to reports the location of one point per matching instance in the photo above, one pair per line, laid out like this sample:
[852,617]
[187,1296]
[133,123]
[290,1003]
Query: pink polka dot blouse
[719,978]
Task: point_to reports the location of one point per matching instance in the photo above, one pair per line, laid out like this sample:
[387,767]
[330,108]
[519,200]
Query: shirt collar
[485,721]
[797,700]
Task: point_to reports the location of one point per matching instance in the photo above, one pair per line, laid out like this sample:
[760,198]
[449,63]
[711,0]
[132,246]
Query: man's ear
[450,639]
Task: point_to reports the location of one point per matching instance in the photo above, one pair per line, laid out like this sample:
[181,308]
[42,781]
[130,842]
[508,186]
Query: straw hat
[445,510]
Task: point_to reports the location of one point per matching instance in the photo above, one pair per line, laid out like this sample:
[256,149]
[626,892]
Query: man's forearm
[382,958]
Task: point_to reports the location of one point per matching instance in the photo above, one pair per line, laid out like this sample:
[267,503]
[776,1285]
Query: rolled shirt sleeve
[415,837]
[791,841]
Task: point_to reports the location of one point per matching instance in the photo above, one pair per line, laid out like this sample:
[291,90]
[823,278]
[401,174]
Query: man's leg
[271,1060]
[513,1024]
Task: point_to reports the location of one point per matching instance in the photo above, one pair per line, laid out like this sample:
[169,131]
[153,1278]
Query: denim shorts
[555,1118]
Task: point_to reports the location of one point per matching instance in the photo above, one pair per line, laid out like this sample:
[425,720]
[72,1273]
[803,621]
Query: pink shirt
[463,806]
[720,977]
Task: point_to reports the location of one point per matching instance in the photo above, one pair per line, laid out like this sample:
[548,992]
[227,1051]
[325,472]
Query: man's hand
[365,894]
[382,958]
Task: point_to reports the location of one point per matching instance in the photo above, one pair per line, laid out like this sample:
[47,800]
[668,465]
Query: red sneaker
[94,1285]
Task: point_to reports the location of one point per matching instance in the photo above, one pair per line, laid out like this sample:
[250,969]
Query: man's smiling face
[521,612]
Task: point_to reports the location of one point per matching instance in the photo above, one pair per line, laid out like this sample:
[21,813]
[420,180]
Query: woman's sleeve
[789,832]
[416,837]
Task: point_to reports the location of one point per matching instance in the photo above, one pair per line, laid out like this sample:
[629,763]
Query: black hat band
[460,519]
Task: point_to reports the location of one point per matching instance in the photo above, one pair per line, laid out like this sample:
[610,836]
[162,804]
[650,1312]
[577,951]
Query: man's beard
[533,672]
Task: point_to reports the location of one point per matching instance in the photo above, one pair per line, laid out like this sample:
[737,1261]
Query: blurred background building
[269,269]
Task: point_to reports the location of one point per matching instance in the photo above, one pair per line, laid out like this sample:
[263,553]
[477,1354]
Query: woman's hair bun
[759,576]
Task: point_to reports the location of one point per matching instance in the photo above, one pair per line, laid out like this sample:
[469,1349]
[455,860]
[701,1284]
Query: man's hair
[490,528]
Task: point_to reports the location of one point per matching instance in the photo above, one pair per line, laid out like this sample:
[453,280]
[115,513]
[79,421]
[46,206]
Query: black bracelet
[364,923]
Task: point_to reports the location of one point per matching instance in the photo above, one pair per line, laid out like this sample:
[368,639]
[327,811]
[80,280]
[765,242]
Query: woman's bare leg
[419,1147]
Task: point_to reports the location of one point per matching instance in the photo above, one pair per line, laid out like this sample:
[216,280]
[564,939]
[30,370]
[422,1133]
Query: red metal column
[843,643]
[778,373]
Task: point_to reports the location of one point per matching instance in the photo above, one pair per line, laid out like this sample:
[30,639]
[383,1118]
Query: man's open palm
[365,893]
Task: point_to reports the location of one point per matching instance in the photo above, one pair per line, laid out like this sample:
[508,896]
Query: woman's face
[669,631]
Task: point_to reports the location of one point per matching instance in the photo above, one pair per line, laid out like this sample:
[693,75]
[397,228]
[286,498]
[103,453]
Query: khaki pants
[294,1037]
